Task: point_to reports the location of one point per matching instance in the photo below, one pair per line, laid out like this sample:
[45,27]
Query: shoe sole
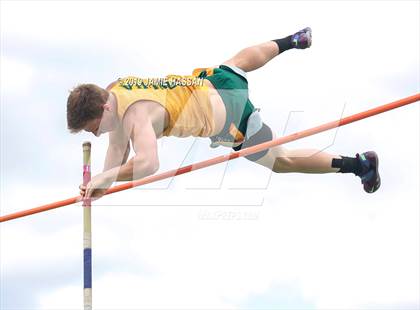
[377,174]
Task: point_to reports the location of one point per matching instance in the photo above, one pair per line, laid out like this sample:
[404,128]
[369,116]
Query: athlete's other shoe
[370,175]
[302,39]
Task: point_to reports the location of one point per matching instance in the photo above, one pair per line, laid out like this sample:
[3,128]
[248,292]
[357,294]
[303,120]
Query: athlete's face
[108,122]
[94,126]
[98,126]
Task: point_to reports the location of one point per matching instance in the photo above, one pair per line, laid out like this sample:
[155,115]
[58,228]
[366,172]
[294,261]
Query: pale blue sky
[290,241]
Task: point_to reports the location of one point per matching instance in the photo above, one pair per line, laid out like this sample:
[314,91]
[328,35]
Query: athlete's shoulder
[112,84]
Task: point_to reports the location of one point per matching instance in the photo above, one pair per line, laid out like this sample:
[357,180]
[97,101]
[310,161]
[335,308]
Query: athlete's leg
[282,160]
[254,57]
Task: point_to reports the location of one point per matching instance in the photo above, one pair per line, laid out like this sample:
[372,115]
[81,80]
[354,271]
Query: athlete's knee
[283,164]
[237,61]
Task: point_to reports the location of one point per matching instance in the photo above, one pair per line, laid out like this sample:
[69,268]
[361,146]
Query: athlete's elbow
[153,166]
[145,166]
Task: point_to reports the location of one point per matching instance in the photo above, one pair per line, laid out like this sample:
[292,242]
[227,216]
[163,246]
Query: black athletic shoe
[302,39]
[370,175]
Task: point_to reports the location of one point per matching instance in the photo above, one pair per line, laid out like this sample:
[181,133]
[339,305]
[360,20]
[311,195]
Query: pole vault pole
[223,158]
[87,232]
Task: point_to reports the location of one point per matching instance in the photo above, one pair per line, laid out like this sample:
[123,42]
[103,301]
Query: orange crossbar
[223,158]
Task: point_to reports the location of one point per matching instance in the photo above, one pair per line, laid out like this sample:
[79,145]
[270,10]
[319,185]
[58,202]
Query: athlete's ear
[107,106]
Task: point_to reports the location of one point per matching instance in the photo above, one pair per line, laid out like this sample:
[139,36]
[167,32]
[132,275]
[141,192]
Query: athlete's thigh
[273,153]
[265,157]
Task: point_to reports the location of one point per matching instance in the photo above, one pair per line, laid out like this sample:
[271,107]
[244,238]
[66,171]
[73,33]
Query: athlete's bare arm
[138,124]
[137,127]
[118,148]
[119,144]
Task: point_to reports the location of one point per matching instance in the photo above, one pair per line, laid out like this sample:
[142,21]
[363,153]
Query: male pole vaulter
[212,102]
